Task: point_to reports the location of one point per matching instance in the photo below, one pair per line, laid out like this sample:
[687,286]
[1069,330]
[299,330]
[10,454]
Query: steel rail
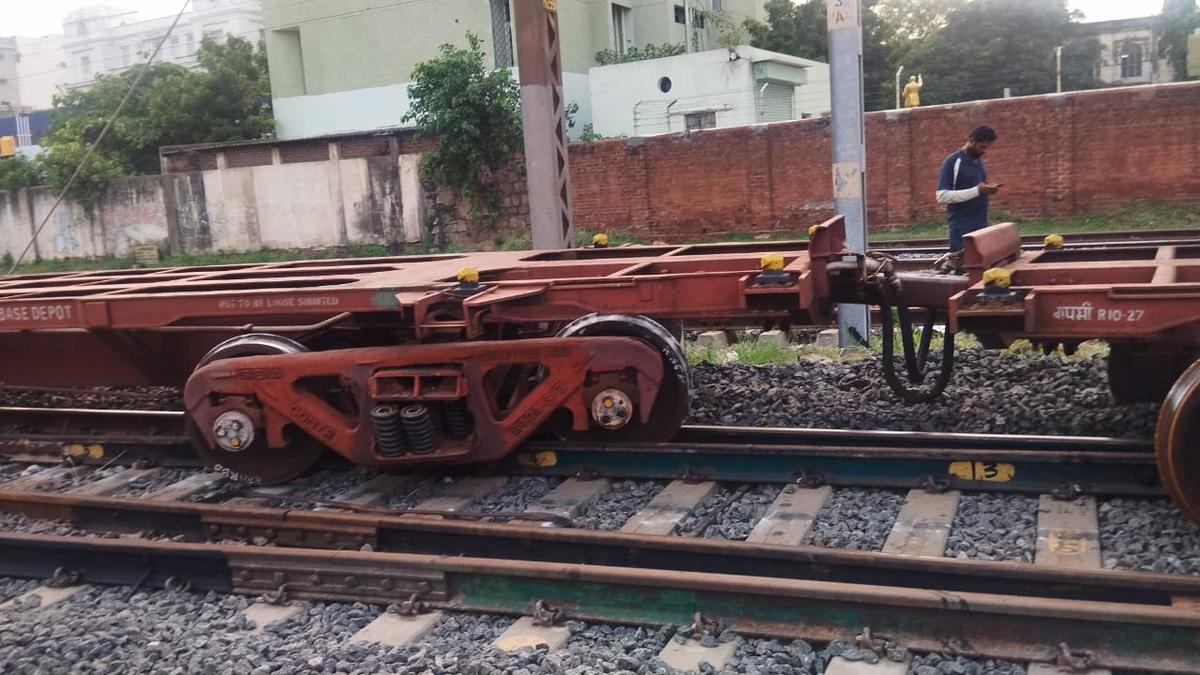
[390,531]
[991,625]
[1163,237]
[1106,473]
[888,459]
[71,418]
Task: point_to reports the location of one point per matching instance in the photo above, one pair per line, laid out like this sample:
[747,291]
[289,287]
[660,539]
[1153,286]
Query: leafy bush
[608,57]
[16,172]
[474,113]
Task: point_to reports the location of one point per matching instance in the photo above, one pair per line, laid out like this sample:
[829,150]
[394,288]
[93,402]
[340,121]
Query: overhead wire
[91,150]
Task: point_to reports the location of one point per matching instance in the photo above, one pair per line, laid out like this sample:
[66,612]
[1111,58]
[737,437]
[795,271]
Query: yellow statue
[912,91]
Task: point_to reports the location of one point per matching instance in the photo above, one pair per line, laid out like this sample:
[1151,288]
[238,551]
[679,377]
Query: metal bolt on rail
[545,614]
[410,607]
[1075,660]
[63,578]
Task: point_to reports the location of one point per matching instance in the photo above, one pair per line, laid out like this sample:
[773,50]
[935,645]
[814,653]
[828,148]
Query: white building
[10,96]
[102,39]
[41,70]
[1129,51]
[705,90]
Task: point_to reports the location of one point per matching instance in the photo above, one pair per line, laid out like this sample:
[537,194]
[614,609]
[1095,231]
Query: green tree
[1178,20]
[474,113]
[792,28]
[16,172]
[916,20]
[799,29]
[988,45]
[57,165]
[227,97]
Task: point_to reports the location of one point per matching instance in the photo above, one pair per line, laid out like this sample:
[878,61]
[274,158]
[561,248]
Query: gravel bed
[777,657]
[1148,535]
[858,519]
[514,496]
[68,480]
[939,664]
[989,392]
[618,505]
[8,471]
[154,482]
[104,631]
[11,588]
[426,487]
[324,486]
[734,521]
[16,522]
[108,398]
[603,648]
[991,526]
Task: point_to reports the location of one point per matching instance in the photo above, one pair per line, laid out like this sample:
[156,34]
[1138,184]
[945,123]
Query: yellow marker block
[997,276]
[468,275]
[812,229]
[537,459]
[1053,241]
[993,472]
[771,261]
[600,239]
[1068,542]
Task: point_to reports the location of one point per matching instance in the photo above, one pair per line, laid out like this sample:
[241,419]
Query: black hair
[983,133]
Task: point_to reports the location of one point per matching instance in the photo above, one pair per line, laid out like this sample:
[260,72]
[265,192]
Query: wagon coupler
[916,356]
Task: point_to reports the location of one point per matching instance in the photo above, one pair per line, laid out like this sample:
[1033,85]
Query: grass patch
[750,351]
[746,350]
[188,260]
[1144,215]
[1141,215]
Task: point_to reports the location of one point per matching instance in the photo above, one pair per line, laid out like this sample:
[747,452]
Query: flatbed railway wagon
[416,361]
[412,360]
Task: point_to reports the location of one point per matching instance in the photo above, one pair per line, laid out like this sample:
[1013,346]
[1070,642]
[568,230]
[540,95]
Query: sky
[42,17]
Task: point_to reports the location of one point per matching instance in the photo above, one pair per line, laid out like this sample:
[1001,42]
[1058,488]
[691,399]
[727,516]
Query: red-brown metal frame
[153,325]
[1149,293]
[573,369]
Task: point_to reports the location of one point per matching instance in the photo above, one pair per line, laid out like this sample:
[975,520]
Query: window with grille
[622,19]
[1131,60]
[502,35]
[700,120]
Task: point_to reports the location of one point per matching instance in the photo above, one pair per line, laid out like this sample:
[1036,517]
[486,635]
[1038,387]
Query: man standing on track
[963,187]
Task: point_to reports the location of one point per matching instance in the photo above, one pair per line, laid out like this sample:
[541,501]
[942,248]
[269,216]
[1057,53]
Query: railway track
[1164,237]
[381,538]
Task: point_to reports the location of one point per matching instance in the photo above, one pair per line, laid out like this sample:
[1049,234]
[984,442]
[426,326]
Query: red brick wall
[1058,155]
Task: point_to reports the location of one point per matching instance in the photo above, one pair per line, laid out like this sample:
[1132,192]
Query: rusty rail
[400,533]
[991,625]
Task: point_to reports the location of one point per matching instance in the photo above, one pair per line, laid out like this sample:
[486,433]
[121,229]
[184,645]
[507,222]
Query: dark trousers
[957,230]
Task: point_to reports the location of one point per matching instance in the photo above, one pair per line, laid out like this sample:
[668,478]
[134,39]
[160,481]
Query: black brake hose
[913,361]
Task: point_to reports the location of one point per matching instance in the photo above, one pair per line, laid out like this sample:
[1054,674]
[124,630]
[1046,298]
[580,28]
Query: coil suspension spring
[459,422]
[420,428]
[389,432]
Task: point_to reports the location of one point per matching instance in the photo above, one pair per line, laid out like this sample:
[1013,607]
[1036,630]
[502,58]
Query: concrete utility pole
[1058,67]
[849,146]
[899,71]
[543,114]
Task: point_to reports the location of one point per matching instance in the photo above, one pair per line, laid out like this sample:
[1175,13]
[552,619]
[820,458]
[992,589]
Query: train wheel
[239,448]
[671,404]
[1137,377]
[1177,442]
